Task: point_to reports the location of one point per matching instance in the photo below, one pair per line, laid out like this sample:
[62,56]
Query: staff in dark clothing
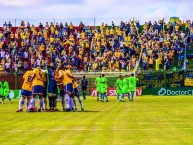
[84,84]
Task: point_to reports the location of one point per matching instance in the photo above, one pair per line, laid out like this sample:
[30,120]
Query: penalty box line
[118,129]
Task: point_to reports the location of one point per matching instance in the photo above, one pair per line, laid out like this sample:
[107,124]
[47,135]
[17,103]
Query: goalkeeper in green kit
[125,88]
[132,85]
[5,91]
[98,84]
[1,90]
[119,87]
[104,88]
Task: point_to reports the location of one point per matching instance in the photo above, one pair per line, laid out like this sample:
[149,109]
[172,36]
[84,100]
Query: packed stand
[161,46]
[86,48]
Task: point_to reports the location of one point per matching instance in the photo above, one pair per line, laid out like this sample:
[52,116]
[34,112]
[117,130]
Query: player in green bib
[104,88]
[98,86]
[5,91]
[132,85]
[119,87]
[125,88]
[1,90]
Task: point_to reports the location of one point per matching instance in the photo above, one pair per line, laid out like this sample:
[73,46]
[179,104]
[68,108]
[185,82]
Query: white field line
[118,129]
[149,123]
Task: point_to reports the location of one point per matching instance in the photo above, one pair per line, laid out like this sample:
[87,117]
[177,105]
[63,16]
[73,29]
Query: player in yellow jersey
[76,93]
[26,90]
[38,87]
[59,71]
[67,79]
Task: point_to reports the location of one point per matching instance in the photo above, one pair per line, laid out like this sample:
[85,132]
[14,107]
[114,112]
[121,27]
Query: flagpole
[163,25]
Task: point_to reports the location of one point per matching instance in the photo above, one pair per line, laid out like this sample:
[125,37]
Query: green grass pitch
[149,120]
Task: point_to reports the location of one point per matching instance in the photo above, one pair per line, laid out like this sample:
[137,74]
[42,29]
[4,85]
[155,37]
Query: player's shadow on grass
[86,111]
[89,111]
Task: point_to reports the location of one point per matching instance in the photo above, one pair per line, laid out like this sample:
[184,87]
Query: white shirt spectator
[78,35]
[2,54]
[38,62]
[4,26]
[47,26]
[40,56]
[161,39]
[182,35]
[7,56]
[25,54]
[16,66]
[121,43]
[7,65]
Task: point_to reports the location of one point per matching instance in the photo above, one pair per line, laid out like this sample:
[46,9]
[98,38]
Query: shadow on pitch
[89,111]
[86,111]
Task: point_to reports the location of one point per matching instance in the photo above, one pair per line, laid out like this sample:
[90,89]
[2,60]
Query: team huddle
[45,82]
[124,86]
[50,82]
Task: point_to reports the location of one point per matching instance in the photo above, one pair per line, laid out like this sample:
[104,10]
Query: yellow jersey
[51,39]
[150,60]
[75,84]
[67,77]
[44,78]
[12,35]
[38,80]
[59,80]
[27,83]
[107,32]
[61,74]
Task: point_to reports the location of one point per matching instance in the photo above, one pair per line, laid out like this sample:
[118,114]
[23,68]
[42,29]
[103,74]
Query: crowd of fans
[87,48]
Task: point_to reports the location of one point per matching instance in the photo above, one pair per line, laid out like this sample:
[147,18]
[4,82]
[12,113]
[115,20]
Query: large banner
[151,80]
[188,81]
[181,91]
[112,92]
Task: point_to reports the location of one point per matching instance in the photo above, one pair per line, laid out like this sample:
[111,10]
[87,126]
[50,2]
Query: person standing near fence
[84,84]
[5,91]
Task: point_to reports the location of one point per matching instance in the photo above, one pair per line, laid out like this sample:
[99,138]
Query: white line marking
[116,129]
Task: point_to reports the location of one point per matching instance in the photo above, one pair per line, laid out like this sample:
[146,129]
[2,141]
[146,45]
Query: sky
[86,10]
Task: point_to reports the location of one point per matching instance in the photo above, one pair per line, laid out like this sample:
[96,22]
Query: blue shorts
[38,90]
[61,93]
[76,92]
[51,89]
[26,93]
[68,88]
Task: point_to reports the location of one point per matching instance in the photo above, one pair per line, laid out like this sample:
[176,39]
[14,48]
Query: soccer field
[146,121]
